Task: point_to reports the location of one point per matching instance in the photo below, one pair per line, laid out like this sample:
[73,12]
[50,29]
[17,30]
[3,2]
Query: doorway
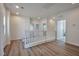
[61,30]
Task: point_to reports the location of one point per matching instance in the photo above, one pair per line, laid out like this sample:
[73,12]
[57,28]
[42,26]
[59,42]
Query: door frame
[65,30]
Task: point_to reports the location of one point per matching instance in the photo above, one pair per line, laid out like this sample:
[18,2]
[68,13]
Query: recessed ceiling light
[17,6]
[53,17]
[17,13]
[51,21]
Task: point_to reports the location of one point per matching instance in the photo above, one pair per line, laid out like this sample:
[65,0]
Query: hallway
[29,25]
[54,48]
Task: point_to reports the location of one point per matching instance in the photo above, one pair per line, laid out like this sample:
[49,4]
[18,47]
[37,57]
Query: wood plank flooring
[54,48]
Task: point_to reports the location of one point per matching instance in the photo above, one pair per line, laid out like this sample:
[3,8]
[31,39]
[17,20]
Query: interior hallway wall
[3,28]
[72,25]
[18,26]
[7,27]
[51,24]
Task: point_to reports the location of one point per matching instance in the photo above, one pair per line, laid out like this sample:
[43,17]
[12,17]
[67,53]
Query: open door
[61,30]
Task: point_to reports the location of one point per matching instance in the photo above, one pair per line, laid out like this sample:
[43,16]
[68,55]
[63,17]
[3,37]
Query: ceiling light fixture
[53,17]
[17,13]
[17,6]
[51,21]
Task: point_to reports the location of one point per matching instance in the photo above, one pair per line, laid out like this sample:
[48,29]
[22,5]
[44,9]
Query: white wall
[7,27]
[1,30]
[6,20]
[51,28]
[18,27]
[72,25]
[3,21]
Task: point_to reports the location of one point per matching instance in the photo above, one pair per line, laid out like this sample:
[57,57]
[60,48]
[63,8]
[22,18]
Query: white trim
[73,43]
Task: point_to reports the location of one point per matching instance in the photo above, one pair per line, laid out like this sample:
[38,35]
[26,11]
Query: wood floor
[54,48]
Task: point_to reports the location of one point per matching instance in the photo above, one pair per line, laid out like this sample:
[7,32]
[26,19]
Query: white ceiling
[39,9]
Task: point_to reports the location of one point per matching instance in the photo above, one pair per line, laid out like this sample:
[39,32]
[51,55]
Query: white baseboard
[37,43]
[75,44]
